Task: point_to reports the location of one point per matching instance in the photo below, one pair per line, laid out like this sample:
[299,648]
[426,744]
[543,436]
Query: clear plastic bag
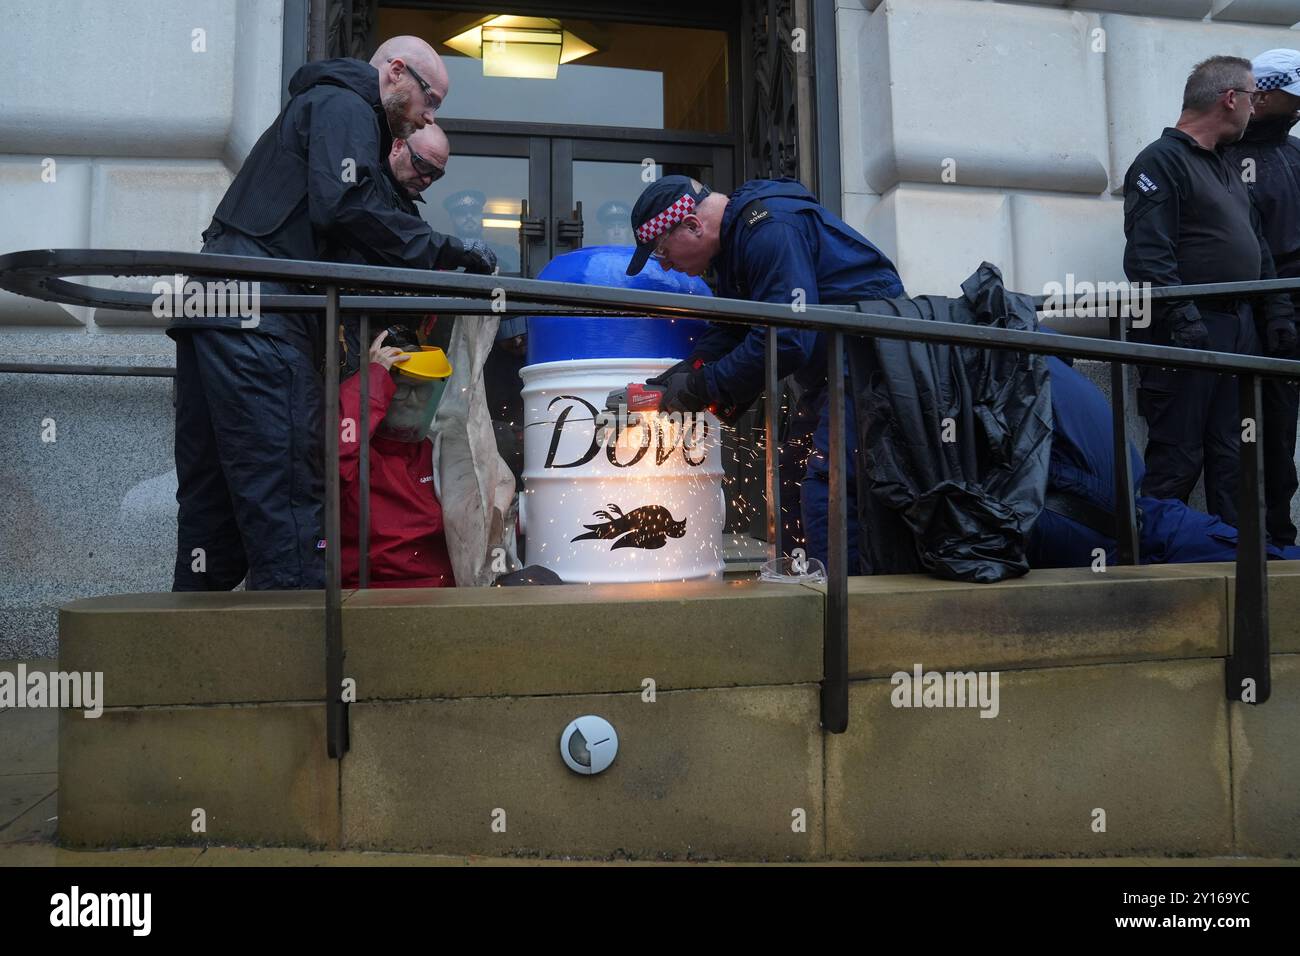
[788,570]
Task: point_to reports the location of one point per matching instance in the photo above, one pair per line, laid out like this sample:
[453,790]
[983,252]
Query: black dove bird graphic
[648,527]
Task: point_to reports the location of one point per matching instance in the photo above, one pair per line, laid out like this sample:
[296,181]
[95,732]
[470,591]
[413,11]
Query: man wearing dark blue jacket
[248,389]
[1078,516]
[770,241]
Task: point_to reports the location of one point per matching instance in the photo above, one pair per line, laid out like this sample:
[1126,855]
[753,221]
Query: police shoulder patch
[754,212]
[1146,184]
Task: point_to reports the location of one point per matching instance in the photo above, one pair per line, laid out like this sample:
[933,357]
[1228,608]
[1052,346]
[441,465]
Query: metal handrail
[38,274]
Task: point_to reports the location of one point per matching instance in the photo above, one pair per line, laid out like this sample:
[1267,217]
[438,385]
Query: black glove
[686,388]
[474,255]
[478,257]
[1280,337]
[1191,333]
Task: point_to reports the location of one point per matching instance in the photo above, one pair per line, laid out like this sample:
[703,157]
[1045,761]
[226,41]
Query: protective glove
[1191,334]
[478,257]
[1280,336]
[686,390]
[474,255]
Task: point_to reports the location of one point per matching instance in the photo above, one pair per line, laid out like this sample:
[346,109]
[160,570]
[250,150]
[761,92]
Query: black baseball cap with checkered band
[662,205]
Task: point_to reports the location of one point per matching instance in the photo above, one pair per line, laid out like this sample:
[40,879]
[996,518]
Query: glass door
[496,189]
[597,182]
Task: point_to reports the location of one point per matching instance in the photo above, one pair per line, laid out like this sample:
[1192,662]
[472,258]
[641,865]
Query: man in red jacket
[408,547]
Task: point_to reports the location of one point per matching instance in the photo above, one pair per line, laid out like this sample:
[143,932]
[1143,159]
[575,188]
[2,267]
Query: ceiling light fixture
[521,47]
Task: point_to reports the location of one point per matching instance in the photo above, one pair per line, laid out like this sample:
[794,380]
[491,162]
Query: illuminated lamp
[521,47]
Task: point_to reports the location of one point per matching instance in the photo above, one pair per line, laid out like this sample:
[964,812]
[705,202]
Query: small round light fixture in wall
[589,744]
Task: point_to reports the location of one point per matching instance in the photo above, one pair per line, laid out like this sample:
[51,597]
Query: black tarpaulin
[953,440]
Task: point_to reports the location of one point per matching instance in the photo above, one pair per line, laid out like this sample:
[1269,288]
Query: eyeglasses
[660,253]
[1253,94]
[423,166]
[433,100]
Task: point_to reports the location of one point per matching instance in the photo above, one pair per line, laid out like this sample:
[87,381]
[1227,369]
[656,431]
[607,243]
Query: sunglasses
[423,166]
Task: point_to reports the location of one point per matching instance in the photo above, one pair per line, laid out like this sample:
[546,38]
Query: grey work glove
[479,257]
[473,255]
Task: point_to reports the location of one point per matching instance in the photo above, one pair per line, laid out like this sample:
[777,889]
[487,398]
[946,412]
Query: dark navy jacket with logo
[776,240]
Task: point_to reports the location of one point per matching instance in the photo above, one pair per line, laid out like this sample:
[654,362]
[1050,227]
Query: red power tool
[638,397]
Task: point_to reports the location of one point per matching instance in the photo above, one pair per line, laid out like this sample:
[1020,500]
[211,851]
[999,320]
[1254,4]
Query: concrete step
[1109,698]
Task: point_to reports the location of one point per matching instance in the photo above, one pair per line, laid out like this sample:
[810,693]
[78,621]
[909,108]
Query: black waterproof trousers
[248,463]
[1281,414]
[1193,421]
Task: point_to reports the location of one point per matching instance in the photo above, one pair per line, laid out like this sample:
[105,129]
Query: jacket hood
[356,75]
[763,189]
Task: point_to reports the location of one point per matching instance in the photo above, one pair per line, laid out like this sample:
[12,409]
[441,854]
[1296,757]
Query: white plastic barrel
[611,499]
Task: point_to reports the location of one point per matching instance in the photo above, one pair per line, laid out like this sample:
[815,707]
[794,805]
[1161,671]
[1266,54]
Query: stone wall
[121,125]
[973,130]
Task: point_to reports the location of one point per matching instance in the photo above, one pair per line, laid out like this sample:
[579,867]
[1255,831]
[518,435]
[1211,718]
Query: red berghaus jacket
[408,547]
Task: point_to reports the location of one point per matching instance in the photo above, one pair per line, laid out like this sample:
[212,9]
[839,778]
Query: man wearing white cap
[1268,158]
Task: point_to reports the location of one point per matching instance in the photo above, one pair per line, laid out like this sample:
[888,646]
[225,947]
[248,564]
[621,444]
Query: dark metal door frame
[551,151]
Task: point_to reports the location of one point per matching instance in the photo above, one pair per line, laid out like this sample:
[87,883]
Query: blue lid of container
[556,338]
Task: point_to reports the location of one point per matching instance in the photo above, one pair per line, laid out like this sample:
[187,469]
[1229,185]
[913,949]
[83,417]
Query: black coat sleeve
[1278,305]
[1152,211]
[345,202]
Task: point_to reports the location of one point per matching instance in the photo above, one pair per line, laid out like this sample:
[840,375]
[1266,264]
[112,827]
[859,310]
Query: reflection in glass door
[601,181]
[481,197]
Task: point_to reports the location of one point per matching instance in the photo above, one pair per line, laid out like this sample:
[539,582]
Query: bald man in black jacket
[248,390]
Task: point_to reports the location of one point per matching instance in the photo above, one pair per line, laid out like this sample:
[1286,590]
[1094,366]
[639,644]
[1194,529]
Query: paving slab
[27,855]
[29,740]
[38,823]
[20,793]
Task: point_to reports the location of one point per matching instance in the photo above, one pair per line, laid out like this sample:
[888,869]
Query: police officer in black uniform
[1268,159]
[248,391]
[1189,218]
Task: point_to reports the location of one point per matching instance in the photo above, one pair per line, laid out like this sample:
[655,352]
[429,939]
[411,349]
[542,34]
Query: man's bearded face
[396,105]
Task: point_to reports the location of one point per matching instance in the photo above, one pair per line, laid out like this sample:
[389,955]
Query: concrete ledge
[1283,13]
[1283,603]
[1266,766]
[199,648]
[1146,743]
[1047,618]
[700,774]
[260,773]
[575,639]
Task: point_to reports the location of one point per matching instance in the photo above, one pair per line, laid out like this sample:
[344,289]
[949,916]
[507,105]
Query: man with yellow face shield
[408,543]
